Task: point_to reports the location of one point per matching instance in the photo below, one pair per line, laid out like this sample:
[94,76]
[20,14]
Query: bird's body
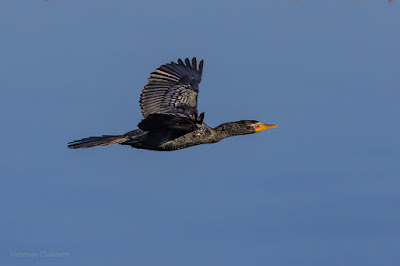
[165,140]
[171,121]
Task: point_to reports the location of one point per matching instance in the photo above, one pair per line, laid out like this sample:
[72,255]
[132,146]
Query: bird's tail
[98,141]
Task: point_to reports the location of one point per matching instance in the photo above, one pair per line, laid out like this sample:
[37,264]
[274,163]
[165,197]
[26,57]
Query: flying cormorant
[171,122]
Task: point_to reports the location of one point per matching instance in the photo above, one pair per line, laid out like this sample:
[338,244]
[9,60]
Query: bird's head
[243,127]
[253,126]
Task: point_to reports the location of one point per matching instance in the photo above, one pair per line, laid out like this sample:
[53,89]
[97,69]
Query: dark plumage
[171,121]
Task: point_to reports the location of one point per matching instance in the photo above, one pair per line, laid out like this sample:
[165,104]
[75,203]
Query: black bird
[171,122]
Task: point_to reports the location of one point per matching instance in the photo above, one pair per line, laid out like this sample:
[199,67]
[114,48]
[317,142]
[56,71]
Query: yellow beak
[262,126]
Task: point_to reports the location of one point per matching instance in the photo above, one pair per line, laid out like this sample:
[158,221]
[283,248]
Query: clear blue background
[322,189]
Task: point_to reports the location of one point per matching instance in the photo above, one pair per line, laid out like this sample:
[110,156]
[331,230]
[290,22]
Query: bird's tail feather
[97,141]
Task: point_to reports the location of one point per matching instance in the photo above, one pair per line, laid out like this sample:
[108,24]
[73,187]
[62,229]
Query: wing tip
[193,64]
[201,67]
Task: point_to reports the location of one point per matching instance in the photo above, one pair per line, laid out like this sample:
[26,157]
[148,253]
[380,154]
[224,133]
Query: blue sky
[322,189]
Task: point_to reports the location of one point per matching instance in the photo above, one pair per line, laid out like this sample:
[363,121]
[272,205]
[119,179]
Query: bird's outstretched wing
[173,89]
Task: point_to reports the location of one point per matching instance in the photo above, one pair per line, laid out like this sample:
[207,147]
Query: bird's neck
[228,130]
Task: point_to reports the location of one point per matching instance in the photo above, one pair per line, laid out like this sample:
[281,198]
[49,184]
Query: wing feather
[173,89]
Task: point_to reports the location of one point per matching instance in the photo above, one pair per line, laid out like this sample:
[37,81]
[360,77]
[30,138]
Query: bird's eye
[258,125]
